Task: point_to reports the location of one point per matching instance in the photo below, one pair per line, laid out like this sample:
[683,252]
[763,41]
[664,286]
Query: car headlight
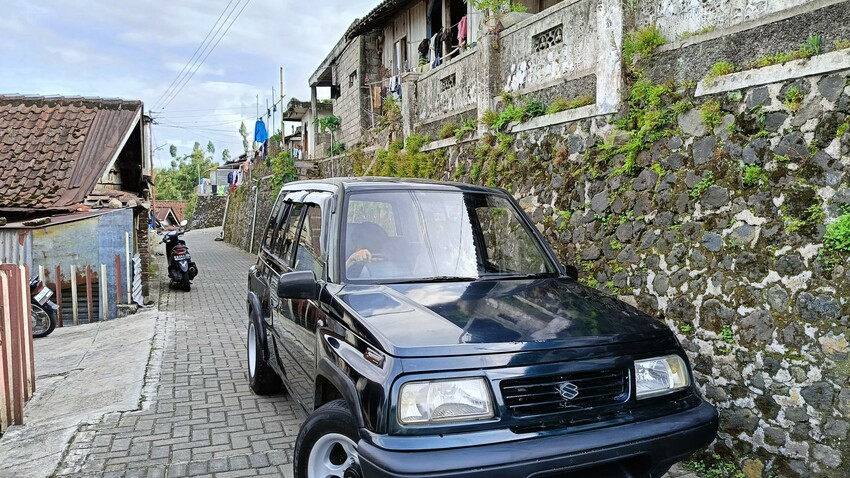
[423,403]
[660,376]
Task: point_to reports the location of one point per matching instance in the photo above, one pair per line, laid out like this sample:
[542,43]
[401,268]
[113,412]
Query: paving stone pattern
[198,416]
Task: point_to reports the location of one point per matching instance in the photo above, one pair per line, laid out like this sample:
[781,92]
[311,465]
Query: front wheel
[43,321]
[186,282]
[327,444]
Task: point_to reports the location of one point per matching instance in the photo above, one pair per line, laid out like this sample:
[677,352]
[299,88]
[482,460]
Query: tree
[178,182]
[225,155]
[173,151]
[243,131]
[211,148]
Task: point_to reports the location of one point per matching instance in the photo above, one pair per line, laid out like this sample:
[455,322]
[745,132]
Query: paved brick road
[198,416]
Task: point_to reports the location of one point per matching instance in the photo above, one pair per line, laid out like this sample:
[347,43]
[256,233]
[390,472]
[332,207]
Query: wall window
[352,79]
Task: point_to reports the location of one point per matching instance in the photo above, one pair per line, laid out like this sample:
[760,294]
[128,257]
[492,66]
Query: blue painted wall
[93,241]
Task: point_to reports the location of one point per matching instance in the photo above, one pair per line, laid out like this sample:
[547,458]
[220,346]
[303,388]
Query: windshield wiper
[438,279]
[511,275]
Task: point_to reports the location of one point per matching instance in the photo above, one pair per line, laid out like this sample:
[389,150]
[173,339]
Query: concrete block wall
[349,104]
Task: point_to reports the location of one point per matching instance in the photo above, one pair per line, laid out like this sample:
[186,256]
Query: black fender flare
[255,315]
[343,384]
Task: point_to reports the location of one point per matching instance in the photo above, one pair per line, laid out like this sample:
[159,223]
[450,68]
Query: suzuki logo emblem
[568,391]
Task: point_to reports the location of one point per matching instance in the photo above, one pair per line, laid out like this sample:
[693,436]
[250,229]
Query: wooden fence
[17,368]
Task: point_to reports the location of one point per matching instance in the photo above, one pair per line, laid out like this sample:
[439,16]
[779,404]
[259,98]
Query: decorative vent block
[448,82]
[548,39]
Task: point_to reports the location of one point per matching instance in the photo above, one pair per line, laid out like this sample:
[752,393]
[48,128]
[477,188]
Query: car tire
[262,379]
[327,443]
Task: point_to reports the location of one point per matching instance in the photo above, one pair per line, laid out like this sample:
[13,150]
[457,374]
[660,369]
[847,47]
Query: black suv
[428,330]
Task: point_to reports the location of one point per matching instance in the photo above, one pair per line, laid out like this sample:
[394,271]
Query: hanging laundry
[436,50]
[461,31]
[261,135]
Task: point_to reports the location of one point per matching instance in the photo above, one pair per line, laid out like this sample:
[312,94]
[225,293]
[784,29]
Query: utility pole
[281,100]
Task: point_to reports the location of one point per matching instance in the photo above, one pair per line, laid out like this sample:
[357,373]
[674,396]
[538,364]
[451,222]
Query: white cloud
[135,49]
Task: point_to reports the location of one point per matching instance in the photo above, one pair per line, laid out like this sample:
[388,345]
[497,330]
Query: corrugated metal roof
[58,219]
[53,150]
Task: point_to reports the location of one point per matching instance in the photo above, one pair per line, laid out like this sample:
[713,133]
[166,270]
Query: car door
[300,319]
[278,261]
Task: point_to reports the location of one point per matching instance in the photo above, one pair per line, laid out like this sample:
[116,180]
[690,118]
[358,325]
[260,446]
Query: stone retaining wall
[718,231]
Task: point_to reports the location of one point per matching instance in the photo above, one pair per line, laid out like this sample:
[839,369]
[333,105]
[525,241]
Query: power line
[192,58]
[198,66]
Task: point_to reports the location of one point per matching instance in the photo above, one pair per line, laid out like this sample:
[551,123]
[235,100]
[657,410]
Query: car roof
[350,184]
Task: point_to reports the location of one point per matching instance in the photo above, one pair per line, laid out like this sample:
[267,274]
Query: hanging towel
[261,135]
[461,31]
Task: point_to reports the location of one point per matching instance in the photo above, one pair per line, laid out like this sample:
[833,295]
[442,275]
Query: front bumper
[646,448]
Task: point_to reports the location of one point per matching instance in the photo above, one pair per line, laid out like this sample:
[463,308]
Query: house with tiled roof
[76,180]
[177,207]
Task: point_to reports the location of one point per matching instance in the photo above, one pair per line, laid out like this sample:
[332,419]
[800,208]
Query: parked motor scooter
[43,309]
[181,269]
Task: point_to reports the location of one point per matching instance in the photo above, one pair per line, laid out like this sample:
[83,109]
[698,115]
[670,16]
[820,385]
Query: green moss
[714,468]
[810,48]
[701,31]
[682,106]
[702,186]
[589,281]
[721,68]
[447,130]
[754,175]
[793,99]
[616,245]
[842,44]
[467,128]
[489,118]
[711,112]
[837,237]
[641,44]
[842,130]
[533,109]
[659,170]
[475,174]
[562,104]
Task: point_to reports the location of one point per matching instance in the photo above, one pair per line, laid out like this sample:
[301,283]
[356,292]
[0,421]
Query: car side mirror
[298,285]
[571,271]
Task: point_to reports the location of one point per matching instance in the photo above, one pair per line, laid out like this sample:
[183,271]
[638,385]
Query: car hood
[488,316]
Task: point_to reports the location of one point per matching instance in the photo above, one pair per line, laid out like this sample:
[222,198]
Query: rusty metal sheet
[16,246]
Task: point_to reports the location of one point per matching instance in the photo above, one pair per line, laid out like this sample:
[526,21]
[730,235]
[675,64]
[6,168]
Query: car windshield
[420,236]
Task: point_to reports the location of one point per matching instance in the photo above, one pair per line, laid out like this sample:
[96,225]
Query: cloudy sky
[136,49]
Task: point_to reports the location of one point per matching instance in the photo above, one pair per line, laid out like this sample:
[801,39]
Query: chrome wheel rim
[331,456]
[40,320]
[252,349]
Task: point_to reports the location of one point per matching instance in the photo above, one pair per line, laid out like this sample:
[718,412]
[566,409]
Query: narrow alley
[198,416]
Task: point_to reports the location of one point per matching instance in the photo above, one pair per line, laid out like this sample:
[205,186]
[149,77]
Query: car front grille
[574,392]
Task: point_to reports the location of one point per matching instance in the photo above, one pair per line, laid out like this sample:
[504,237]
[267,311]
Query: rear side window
[287,234]
[268,238]
[308,257]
